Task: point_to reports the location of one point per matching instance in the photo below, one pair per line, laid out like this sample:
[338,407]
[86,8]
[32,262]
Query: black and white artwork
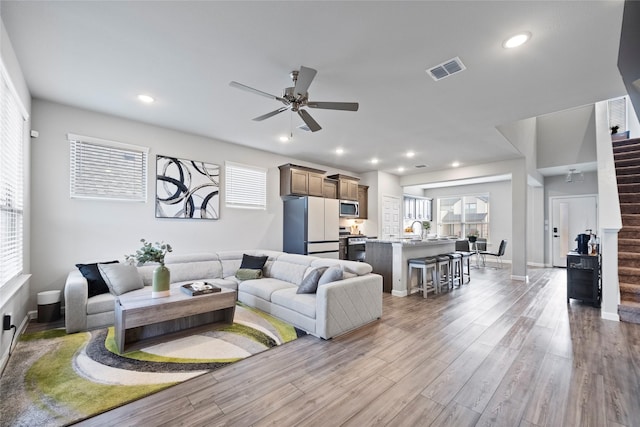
[187,189]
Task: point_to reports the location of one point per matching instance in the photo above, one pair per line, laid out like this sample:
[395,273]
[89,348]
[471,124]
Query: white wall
[13,298]
[68,231]
[566,137]
[500,209]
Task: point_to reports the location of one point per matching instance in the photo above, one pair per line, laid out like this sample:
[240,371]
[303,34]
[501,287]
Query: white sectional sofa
[335,308]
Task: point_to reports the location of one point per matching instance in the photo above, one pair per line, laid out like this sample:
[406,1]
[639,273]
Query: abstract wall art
[187,189]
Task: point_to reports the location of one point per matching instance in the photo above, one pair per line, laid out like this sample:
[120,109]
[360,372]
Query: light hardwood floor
[494,352]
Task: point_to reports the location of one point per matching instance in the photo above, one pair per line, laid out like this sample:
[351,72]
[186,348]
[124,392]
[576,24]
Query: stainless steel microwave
[349,209]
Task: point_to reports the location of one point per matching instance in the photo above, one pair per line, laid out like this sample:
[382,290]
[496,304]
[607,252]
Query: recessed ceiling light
[284,138]
[517,40]
[410,154]
[374,161]
[339,151]
[401,169]
[146,99]
[455,164]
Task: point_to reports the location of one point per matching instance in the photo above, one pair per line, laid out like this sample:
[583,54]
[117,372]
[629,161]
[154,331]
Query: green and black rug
[55,379]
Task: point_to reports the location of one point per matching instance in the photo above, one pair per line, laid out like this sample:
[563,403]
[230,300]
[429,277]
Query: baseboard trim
[524,279]
[536,264]
[399,293]
[610,316]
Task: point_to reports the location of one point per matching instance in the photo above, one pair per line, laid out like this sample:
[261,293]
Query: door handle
[555,235]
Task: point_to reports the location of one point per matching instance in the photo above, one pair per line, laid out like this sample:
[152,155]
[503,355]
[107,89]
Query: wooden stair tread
[629,305]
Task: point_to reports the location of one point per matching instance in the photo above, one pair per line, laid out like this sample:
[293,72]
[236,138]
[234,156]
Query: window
[12,127]
[107,170]
[453,220]
[246,186]
[618,113]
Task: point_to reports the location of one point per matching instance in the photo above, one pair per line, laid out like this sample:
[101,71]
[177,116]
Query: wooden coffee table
[139,317]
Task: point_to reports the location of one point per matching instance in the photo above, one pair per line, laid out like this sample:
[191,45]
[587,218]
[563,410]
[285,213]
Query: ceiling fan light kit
[296,97]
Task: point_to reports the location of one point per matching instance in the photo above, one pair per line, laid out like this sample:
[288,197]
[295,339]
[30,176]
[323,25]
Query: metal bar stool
[443,270]
[425,265]
[455,260]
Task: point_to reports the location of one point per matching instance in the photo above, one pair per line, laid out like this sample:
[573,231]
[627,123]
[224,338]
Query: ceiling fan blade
[345,106]
[271,114]
[257,92]
[313,125]
[305,77]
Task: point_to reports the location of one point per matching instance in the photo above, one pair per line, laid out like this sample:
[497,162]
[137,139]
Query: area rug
[55,379]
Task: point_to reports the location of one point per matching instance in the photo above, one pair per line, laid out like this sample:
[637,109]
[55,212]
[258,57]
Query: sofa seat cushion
[302,303]
[265,287]
[100,304]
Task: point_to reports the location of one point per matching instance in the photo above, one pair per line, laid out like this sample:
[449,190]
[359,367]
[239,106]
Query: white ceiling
[101,55]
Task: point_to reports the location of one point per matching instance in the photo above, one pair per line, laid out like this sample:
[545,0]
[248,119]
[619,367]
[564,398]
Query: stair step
[629,232]
[626,162]
[629,197]
[628,245]
[627,179]
[629,259]
[630,219]
[627,170]
[620,143]
[627,154]
[629,208]
[630,288]
[629,311]
[631,187]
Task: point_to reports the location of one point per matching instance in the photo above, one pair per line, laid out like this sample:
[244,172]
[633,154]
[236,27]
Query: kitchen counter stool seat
[425,265]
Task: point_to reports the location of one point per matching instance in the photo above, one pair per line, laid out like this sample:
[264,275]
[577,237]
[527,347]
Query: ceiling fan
[296,97]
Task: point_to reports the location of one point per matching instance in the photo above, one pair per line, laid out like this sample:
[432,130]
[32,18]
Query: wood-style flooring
[494,352]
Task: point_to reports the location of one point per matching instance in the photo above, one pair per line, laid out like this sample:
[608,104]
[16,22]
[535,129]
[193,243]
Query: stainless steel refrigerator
[311,226]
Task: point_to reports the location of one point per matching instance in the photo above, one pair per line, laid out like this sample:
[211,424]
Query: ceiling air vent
[446,69]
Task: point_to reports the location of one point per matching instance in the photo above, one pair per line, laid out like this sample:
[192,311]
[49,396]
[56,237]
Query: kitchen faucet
[421,228]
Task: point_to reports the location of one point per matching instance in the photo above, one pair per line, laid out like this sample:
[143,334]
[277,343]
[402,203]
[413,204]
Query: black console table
[583,278]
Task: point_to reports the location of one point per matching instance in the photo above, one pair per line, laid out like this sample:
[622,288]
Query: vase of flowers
[472,236]
[155,252]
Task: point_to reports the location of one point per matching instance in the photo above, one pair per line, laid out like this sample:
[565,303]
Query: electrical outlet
[6,322]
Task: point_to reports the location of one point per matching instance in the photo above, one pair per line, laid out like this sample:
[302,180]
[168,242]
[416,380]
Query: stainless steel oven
[356,248]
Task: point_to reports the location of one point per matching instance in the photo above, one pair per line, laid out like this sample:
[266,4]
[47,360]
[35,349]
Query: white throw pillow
[121,278]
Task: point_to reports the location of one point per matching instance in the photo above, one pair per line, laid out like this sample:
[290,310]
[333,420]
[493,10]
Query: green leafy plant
[426,225]
[150,252]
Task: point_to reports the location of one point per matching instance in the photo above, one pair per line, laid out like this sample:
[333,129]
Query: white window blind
[107,170]
[618,113]
[12,128]
[246,186]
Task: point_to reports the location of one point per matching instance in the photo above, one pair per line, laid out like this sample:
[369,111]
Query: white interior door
[390,217]
[570,216]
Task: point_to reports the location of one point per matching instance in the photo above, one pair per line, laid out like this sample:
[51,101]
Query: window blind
[246,186]
[12,128]
[108,170]
[618,113]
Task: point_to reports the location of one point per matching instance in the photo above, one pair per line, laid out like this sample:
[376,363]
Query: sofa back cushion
[290,267]
[186,267]
[353,267]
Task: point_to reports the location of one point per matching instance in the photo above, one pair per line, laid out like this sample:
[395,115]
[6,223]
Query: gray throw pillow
[331,275]
[121,278]
[309,284]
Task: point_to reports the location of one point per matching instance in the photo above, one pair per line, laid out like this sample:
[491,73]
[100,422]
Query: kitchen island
[389,258]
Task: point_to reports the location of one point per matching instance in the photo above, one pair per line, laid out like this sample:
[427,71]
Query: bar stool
[443,270]
[455,260]
[462,248]
[425,265]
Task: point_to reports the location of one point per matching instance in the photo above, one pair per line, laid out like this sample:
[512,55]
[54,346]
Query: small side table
[583,278]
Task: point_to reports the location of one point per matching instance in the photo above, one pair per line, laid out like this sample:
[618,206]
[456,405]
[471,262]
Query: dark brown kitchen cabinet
[347,187]
[363,201]
[583,278]
[301,181]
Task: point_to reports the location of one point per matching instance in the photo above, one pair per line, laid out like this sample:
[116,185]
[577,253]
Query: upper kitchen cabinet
[330,188]
[347,187]
[301,181]
[363,201]
[417,208]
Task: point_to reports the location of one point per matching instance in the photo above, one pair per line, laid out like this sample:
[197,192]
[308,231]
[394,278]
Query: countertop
[410,242]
